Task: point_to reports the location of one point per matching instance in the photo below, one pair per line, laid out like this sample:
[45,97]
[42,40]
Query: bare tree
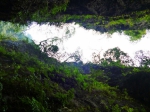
[96,58]
[142,58]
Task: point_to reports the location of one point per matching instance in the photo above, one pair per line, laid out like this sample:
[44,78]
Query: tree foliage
[31,10]
[118,56]
[135,34]
[33,81]
[30,81]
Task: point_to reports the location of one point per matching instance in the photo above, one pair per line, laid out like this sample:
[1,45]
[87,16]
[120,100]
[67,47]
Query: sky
[76,37]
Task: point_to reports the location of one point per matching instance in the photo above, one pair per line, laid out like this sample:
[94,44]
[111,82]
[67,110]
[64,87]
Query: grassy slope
[30,81]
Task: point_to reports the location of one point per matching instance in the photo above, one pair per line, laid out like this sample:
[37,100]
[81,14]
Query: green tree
[48,47]
[115,55]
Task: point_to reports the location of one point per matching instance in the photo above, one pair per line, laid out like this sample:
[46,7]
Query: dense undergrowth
[133,24]
[32,81]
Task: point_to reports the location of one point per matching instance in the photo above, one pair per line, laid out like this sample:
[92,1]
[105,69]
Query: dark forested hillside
[32,81]
[106,7]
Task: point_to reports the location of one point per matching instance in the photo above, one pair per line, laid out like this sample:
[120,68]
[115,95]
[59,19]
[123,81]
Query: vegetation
[127,23]
[133,20]
[135,34]
[24,12]
[32,81]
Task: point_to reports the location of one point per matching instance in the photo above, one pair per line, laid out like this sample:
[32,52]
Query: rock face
[106,7]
